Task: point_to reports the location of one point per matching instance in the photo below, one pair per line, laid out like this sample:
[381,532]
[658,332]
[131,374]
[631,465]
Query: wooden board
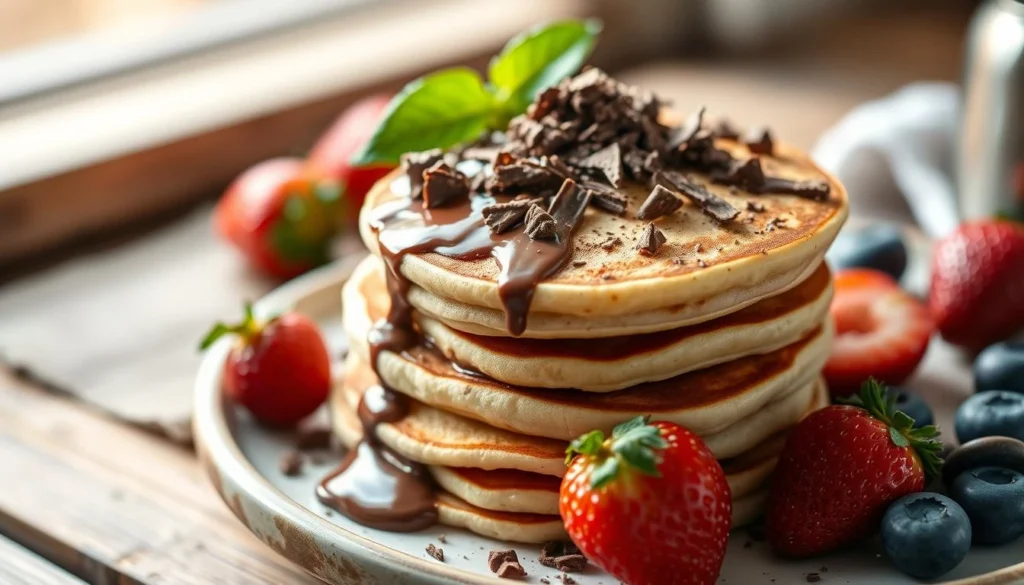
[112,504]
[22,567]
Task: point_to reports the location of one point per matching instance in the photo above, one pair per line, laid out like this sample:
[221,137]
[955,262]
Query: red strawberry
[841,468]
[331,154]
[280,217]
[650,505]
[881,331]
[978,283]
[279,371]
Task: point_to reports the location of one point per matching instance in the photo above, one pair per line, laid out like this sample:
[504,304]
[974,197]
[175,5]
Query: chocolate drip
[374,485]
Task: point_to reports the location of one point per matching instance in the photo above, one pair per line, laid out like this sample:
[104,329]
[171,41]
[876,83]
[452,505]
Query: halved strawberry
[881,331]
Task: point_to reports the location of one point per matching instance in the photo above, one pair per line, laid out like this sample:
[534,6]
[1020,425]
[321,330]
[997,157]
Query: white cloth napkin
[895,156]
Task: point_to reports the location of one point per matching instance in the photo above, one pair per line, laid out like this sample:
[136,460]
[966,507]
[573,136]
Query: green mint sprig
[455,105]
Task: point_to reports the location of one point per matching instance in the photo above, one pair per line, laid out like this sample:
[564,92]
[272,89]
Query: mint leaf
[539,58]
[436,111]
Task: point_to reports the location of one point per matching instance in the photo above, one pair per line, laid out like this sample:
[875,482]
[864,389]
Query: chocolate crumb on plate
[544,581]
[291,463]
[579,263]
[313,437]
[759,141]
[702,263]
[611,243]
[497,557]
[659,203]
[813,577]
[413,165]
[567,580]
[539,224]
[650,240]
[442,185]
[511,570]
[442,538]
[501,217]
[570,563]
[678,261]
[435,552]
[755,207]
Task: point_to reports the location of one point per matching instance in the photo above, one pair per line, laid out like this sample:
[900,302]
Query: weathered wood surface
[19,566]
[113,504]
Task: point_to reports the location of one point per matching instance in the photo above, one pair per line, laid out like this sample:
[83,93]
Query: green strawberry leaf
[436,111]
[604,473]
[539,58]
[247,329]
[587,444]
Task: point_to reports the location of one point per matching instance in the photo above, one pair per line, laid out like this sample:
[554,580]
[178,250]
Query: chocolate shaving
[659,203]
[816,190]
[414,164]
[442,185]
[539,224]
[501,217]
[608,160]
[569,204]
[291,463]
[606,198]
[511,570]
[496,558]
[712,205]
[744,174]
[650,240]
[435,552]
[759,141]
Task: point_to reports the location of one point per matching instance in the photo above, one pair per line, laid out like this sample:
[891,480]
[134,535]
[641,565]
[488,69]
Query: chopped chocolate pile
[759,141]
[435,552]
[501,217]
[608,160]
[650,240]
[497,557]
[414,164]
[443,185]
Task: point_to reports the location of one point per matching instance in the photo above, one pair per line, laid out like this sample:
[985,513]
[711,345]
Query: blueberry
[993,413]
[993,498]
[926,535]
[879,246]
[914,406]
[1000,367]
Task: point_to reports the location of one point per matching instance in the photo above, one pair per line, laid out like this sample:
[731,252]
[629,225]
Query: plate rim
[342,556]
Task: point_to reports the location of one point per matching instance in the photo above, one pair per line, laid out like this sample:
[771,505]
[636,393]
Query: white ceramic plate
[242,460]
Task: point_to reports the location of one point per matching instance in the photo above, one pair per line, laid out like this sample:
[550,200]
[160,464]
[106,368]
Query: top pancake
[700,261]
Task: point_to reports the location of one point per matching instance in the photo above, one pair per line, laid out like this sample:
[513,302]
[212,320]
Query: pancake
[612,363]
[433,436]
[701,260]
[541,325]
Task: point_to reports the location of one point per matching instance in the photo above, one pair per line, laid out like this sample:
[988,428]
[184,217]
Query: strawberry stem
[248,329]
[632,446]
[880,403]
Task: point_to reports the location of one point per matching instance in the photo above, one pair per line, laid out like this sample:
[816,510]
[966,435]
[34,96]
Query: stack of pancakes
[724,331]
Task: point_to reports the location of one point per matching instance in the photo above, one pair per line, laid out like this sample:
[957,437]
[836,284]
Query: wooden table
[86,498]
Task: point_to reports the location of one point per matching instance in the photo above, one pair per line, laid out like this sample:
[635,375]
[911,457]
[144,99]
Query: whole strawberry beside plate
[841,468]
[977,283]
[650,504]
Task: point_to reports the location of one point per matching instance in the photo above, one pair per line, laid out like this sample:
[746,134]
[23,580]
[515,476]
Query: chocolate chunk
[813,577]
[522,174]
[435,552]
[501,217]
[544,581]
[291,463]
[606,198]
[633,161]
[650,240]
[654,134]
[759,141]
[309,438]
[659,203]
[712,205]
[755,207]
[548,101]
[569,204]
[442,185]
[511,570]
[573,563]
[611,243]
[774,224]
[539,224]
[414,164]
[725,129]
[652,162]
[744,174]
[813,189]
[685,133]
[496,558]
[608,160]
[556,548]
